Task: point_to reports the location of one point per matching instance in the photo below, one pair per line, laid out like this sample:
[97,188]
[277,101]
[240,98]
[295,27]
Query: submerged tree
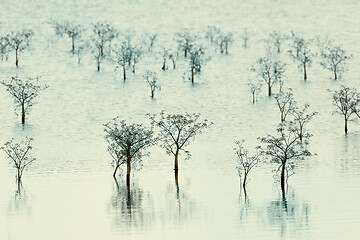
[301,118]
[151,79]
[173,55]
[197,60]
[303,55]
[165,55]
[286,103]
[176,131]
[4,47]
[127,144]
[122,57]
[150,40]
[136,54]
[19,41]
[24,91]
[346,100]
[245,37]
[335,59]
[185,41]
[211,33]
[224,40]
[269,71]
[286,148]
[80,49]
[19,155]
[277,39]
[246,162]
[104,34]
[254,88]
[99,57]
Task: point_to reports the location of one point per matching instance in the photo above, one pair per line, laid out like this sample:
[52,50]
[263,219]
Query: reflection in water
[288,215]
[245,205]
[127,206]
[20,203]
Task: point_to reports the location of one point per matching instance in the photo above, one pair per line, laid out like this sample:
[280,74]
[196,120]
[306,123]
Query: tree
[269,71]
[104,34]
[245,37]
[245,161]
[127,144]
[122,57]
[19,155]
[165,55]
[334,59]
[286,103]
[303,55]
[74,32]
[4,47]
[19,41]
[254,89]
[301,118]
[211,33]
[136,53]
[80,49]
[197,60]
[224,40]
[151,79]
[297,43]
[347,101]
[96,52]
[277,39]
[176,131]
[185,41]
[150,40]
[24,91]
[286,148]
[173,55]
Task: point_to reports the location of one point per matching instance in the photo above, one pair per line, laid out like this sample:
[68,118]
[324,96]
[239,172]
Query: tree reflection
[289,214]
[20,203]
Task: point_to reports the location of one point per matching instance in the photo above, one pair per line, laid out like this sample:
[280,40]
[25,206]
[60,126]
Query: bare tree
[127,144]
[277,39]
[4,47]
[211,33]
[286,103]
[335,59]
[165,55]
[269,71]
[123,55]
[297,43]
[104,34]
[80,49]
[301,118]
[136,54]
[185,41]
[173,55]
[19,41]
[74,32]
[286,148]
[99,57]
[347,101]
[150,40]
[24,91]
[245,161]
[254,88]
[19,155]
[224,40]
[303,55]
[176,131]
[151,79]
[197,60]
[245,37]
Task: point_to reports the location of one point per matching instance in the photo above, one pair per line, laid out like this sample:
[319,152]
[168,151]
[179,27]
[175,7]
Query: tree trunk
[16,58]
[128,174]
[152,93]
[269,90]
[174,64]
[226,49]
[346,123]
[253,97]
[98,66]
[335,75]
[78,58]
[282,117]
[133,70]
[185,52]
[22,114]
[301,135]
[114,175]
[164,65]
[283,179]
[176,166]
[192,76]
[244,182]
[124,72]
[73,45]
[305,76]
[102,50]
[19,175]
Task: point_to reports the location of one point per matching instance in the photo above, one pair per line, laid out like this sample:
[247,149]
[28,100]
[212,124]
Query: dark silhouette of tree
[173,55]
[104,33]
[269,71]
[286,103]
[346,100]
[99,57]
[123,55]
[224,40]
[176,131]
[286,148]
[302,117]
[185,41]
[24,91]
[335,59]
[254,88]
[19,41]
[197,60]
[127,144]
[165,56]
[19,155]
[303,55]
[245,161]
[151,79]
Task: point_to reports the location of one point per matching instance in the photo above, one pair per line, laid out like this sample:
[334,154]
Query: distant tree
[335,59]
[301,118]
[286,148]
[347,101]
[286,103]
[4,47]
[245,161]
[176,131]
[104,34]
[303,55]
[80,49]
[277,39]
[123,55]
[150,40]
[254,88]
[19,41]
[136,54]
[224,40]
[211,33]
[96,52]
[269,71]
[245,37]
[185,41]
[24,91]
[151,79]
[297,44]
[127,144]
[19,155]
[165,55]
[74,32]
[197,60]
[173,55]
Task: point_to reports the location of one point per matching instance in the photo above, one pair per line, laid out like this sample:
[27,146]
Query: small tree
[245,37]
[104,34]
[197,60]
[151,79]
[286,103]
[136,54]
[4,47]
[99,57]
[301,118]
[297,43]
[19,41]
[127,144]
[24,92]
[286,148]
[269,71]
[122,57]
[176,131]
[347,101]
[277,39]
[303,55]
[19,155]
[335,59]
[165,55]
[80,49]
[211,33]
[74,32]
[185,41]
[254,88]
[224,40]
[246,162]
[173,55]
